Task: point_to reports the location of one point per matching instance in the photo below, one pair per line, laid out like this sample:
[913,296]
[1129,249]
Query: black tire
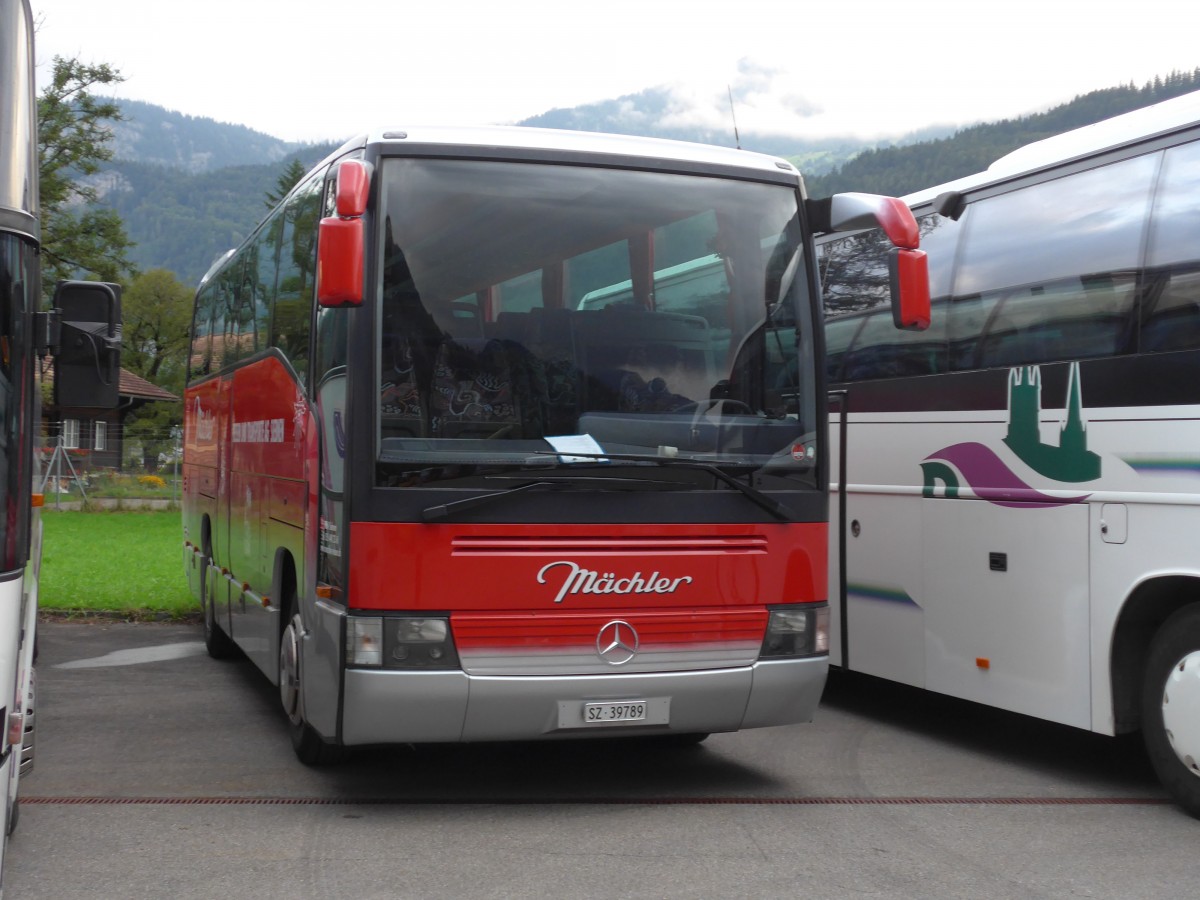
[218,644]
[1171,707]
[14,816]
[311,749]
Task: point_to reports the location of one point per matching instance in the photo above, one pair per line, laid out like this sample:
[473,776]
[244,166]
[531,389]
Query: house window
[100,440]
[70,434]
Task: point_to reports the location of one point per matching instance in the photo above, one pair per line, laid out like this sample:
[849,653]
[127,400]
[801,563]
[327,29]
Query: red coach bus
[436,497]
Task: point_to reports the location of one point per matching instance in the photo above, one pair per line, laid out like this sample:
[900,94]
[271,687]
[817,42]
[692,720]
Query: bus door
[877,533]
[1005,564]
[257,405]
[218,584]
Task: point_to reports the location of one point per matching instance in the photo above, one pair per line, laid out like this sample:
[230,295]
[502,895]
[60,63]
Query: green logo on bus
[992,479]
[1070,460]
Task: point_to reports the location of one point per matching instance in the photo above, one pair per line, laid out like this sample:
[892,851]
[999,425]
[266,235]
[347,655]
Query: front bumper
[388,707]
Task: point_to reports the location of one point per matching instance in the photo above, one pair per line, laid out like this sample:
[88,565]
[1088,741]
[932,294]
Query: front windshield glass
[532,310]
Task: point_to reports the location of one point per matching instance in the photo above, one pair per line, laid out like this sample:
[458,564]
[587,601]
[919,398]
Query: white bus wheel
[1171,707]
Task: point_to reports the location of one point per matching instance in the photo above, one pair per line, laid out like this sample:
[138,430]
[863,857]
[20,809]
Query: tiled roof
[136,386]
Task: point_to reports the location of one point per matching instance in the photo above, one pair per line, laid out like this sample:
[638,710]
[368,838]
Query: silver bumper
[387,707]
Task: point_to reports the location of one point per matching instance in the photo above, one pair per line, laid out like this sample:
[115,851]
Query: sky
[302,70]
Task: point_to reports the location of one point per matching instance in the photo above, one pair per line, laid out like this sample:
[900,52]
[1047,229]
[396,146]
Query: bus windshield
[526,307]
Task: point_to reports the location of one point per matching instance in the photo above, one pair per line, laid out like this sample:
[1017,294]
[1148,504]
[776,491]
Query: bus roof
[519,138]
[1167,117]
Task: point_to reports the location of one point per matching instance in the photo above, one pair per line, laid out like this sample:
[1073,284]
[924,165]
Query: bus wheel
[310,748]
[1171,707]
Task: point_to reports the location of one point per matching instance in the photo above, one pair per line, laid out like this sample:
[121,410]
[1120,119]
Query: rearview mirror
[908,266]
[87,371]
[908,274]
[340,239]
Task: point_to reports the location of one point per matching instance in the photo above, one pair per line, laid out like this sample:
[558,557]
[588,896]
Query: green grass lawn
[122,561]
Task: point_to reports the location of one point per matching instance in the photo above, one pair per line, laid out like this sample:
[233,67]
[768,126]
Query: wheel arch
[1147,607]
[284,585]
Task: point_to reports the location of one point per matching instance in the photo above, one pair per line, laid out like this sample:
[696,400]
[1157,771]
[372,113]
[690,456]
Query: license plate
[614,713]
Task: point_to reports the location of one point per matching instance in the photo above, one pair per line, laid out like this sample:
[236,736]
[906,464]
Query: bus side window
[862,341]
[1173,322]
[1172,318]
[227,301]
[1075,318]
[263,278]
[1048,272]
[291,320]
[199,359]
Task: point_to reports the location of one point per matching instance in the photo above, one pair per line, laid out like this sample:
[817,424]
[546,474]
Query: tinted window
[198,359]
[292,319]
[866,343]
[1175,226]
[1085,223]
[1048,272]
[262,285]
[1173,292]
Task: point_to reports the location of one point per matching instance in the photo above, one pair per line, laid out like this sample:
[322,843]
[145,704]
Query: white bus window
[881,350]
[1174,320]
[1048,272]
[1175,224]
[1075,318]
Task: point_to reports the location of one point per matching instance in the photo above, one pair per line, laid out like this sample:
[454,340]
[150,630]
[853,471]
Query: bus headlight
[364,641]
[796,630]
[408,642]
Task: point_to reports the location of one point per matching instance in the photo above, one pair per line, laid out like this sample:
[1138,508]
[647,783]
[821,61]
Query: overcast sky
[303,70]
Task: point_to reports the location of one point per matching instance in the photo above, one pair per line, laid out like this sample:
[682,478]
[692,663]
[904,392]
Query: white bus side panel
[884,614]
[925,607]
[1016,639]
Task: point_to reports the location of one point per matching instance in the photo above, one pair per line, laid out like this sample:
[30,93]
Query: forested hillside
[902,170]
[182,221]
[189,189]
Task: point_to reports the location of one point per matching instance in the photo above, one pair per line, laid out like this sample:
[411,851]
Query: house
[97,435]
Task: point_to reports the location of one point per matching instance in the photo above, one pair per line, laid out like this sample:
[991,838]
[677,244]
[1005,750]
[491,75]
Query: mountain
[902,170]
[188,188]
[649,113]
[163,137]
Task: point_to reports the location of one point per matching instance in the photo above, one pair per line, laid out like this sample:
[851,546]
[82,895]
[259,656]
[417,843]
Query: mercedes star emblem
[617,643]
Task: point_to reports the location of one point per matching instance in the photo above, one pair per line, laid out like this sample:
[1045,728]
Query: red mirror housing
[849,212]
[340,262]
[908,271]
[353,185]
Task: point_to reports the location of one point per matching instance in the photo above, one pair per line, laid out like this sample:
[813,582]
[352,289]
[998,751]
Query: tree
[287,180]
[73,141]
[157,312]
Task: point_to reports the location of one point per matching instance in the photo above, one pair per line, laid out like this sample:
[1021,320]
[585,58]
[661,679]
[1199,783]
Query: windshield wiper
[770,504]
[550,483]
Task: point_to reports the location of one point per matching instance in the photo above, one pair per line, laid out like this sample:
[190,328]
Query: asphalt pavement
[163,773]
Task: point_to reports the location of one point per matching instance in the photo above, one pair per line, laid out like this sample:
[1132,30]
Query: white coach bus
[1016,495]
[84,319]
